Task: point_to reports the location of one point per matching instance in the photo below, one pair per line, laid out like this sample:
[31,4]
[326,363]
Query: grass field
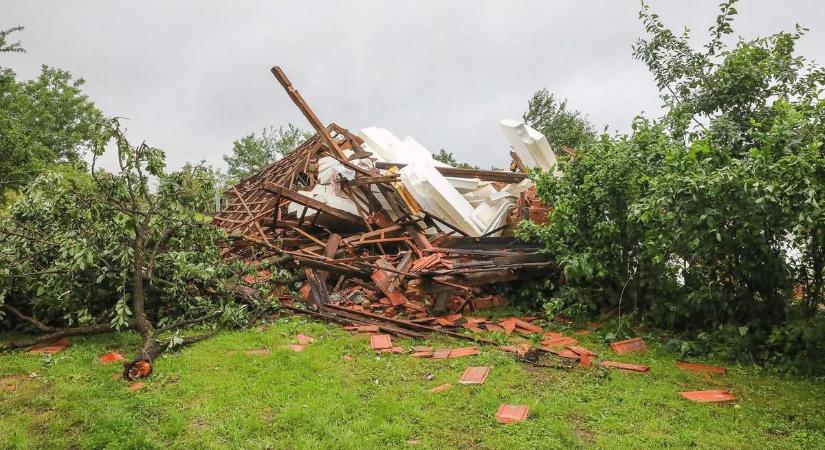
[212,395]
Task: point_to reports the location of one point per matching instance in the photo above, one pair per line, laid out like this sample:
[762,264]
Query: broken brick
[701,368]
[111,357]
[585,360]
[441,388]
[136,386]
[711,396]
[474,375]
[512,413]
[422,354]
[380,341]
[629,345]
[297,348]
[423,348]
[625,366]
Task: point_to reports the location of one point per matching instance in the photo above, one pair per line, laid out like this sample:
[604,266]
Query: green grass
[202,397]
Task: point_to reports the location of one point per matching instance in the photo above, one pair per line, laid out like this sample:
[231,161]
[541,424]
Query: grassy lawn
[207,397]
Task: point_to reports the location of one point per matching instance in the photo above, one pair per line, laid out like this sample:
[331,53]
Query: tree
[563,127]
[84,253]
[448,158]
[44,121]
[252,153]
[711,217]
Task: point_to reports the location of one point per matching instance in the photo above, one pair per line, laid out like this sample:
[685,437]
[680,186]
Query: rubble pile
[384,234]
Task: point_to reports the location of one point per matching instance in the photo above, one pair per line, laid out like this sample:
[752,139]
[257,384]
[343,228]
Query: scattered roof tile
[474,375]
[636,344]
[512,413]
[711,396]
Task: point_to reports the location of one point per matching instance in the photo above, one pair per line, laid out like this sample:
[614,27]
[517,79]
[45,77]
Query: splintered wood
[371,254]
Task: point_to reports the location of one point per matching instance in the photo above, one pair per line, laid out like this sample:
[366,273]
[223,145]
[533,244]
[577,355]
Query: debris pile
[384,234]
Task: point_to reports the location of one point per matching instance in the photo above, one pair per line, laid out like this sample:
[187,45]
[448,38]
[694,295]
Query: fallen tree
[92,252]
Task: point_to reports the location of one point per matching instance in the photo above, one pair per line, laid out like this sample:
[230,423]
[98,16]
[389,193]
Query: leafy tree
[563,127]
[87,253]
[712,216]
[43,121]
[253,152]
[448,158]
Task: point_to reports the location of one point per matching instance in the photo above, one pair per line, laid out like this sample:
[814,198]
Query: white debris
[530,145]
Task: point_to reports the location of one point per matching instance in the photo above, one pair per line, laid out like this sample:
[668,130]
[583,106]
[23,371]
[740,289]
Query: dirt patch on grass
[579,424]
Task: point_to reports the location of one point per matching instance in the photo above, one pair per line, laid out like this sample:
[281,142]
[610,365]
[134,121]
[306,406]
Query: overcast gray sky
[192,76]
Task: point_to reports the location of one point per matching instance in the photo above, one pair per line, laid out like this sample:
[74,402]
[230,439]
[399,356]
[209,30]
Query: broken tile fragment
[423,348]
[135,386]
[567,353]
[111,357]
[508,325]
[511,413]
[636,344]
[441,354]
[303,339]
[527,326]
[380,341]
[585,360]
[704,368]
[711,396]
[465,351]
[581,350]
[558,342]
[396,350]
[441,388]
[51,347]
[625,366]
[519,349]
[474,375]
[422,354]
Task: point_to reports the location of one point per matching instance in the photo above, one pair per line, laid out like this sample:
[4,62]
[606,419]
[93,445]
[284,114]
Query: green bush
[709,219]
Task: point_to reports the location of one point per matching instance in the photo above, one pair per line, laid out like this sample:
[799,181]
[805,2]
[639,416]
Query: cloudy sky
[192,76]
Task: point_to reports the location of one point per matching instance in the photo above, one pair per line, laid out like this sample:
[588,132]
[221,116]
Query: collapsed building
[382,231]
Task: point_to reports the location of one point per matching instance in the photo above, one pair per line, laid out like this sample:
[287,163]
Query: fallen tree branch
[31,320]
[61,333]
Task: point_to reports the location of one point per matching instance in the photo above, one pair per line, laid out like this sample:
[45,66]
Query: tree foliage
[712,215]
[90,252]
[448,158]
[253,152]
[44,121]
[562,126]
